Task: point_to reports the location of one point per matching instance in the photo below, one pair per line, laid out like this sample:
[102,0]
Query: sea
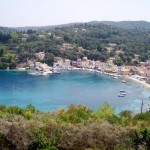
[49,93]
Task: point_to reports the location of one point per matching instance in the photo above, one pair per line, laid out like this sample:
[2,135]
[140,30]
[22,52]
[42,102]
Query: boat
[55,72]
[122,91]
[121,95]
[36,73]
[21,69]
[115,77]
[123,81]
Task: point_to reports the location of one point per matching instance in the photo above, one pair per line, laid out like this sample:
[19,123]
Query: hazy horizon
[29,13]
[70,23]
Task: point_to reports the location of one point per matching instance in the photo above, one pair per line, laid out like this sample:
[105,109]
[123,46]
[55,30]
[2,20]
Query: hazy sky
[14,13]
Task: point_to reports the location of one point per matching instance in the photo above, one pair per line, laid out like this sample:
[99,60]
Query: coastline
[138,81]
[126,77]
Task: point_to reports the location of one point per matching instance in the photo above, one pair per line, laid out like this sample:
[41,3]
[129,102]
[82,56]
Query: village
[138,73]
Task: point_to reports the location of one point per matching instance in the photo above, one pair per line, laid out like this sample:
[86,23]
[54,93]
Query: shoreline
[138,81]
[126,77]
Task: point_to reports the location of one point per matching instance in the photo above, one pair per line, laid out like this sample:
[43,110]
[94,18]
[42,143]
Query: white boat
[36,73]
[55,72]
[123,81]
[21,68]
[122,91]
[115,77]
[121,95]
[98,71]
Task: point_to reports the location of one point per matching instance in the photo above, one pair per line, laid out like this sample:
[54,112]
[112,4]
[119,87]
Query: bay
[70,87]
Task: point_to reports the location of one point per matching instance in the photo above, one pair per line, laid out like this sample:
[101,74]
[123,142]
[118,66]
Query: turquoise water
[69,87]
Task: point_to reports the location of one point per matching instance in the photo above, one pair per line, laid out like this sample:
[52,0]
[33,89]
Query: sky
[20,13]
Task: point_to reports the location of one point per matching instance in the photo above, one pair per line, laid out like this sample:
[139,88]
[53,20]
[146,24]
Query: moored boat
[55,72]
[121,95]
[122,91]
[123,81]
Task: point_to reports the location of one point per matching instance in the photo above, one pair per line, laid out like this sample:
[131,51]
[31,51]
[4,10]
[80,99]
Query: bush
[75,114]
[126,113]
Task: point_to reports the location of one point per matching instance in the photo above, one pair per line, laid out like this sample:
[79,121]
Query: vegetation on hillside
[74,128]
[89,39]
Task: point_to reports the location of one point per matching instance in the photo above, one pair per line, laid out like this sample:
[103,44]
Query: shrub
[105,110]
[75,114]
[126,113]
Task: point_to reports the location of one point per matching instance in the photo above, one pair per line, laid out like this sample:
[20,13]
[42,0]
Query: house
[147,73]
[119,52]
[79,63]
[136,57]
[112,44]
[49,33]
[147,63]
[42,66]
[81,49]
[114,68]
[25,35]
[42,36]
[40,55]
[74,63]
[97,64]
[58,61]
[31,64]
[83,30]
[140,71]
[125,71]
[85,62]
[110,61]
[66,63]
[102,66]
[91,64]
[66,45]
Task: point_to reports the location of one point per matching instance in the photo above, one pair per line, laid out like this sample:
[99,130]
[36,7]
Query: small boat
[55,72]
[21,69]
[36,73]
[123,81]
[115,77]
[122,91]
[121,95]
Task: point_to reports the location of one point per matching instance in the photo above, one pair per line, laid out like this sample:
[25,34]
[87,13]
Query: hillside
[97,41]
[142,25]
[6,30]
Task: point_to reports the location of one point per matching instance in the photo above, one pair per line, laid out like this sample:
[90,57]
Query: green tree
[105,110]
[49,58]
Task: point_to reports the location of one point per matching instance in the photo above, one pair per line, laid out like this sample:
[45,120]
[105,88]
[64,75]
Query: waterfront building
[40,55]
[147,73]
[74,63]
[125,71]
[85,62]
[79,63]
[92,64]
[147,63]
[66,63]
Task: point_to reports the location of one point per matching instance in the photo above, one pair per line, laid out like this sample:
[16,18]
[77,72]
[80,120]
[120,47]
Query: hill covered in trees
[142,25]
[97,41]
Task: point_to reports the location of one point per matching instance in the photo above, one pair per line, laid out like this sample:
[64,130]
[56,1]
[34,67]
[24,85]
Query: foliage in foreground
[75,128]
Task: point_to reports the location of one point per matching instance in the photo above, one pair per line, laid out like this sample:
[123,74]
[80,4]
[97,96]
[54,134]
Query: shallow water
[60,90]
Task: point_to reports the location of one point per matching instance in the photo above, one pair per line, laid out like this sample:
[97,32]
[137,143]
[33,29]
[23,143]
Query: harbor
[55,91]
